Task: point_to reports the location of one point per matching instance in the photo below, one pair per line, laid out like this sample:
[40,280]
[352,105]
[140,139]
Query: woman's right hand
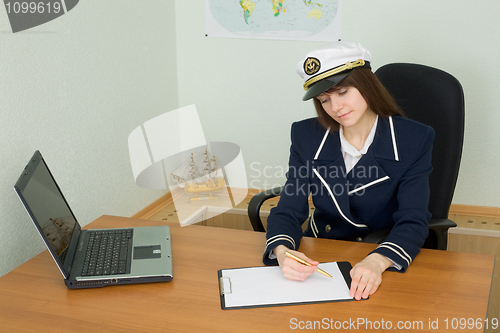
[292,269]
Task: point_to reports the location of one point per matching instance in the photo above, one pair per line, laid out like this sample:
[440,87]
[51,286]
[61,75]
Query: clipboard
[253,287]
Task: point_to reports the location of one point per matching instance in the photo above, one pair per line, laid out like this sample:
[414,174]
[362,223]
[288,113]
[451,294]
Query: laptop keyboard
[107,252]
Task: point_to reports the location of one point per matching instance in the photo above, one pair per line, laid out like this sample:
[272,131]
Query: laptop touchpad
[147,252]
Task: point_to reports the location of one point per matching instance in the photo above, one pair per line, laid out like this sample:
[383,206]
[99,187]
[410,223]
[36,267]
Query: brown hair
[376,96]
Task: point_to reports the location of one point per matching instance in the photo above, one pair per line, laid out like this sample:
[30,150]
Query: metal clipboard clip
[225,285]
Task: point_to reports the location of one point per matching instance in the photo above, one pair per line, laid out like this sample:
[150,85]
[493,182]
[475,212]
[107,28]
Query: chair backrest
[435,98]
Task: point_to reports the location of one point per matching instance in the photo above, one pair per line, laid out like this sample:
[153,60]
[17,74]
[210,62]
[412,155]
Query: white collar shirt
[350,153]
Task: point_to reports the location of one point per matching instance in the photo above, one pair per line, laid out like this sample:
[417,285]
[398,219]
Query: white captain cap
[324,68]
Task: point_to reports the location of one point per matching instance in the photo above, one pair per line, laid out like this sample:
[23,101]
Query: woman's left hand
[367,275]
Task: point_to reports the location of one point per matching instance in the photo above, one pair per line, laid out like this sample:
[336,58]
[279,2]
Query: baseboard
[166,199]
[157,205]
[474,232]
[474,210]
[154,207]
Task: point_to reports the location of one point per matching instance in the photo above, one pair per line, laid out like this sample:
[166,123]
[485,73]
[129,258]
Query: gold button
[328,228]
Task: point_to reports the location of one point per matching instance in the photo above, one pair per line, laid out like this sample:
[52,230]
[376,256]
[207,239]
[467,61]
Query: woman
[365,165]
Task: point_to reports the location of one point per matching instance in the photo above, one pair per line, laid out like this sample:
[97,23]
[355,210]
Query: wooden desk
[437,286]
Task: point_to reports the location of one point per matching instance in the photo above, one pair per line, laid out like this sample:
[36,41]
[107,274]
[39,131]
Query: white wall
[75,88]
[247,91]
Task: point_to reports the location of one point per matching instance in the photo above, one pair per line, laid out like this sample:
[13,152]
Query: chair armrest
[436,224]
[440,228]
[437,240]
[255,204]
[378,236]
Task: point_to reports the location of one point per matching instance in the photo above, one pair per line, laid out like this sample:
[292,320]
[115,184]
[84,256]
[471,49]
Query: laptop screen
[48,209]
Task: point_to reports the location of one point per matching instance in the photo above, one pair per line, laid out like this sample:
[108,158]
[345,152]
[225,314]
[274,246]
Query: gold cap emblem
[311,66]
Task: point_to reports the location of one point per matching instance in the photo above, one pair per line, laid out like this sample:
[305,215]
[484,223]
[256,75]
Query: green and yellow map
[299,18]
[249,6]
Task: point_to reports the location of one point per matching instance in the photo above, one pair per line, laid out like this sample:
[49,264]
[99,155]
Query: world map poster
[274,19]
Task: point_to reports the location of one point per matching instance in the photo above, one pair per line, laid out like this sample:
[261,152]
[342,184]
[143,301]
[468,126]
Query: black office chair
[433,97]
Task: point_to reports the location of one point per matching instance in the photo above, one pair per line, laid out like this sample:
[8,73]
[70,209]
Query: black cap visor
[323,85]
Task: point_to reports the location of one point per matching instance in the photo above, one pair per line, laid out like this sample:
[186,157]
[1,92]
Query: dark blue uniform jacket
[389,186]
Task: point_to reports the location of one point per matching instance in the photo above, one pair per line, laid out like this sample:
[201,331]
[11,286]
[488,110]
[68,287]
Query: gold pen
[294,257]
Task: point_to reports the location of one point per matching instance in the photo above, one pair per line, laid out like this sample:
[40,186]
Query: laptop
[91,258]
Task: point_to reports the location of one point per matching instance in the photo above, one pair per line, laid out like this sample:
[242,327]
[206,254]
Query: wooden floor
[235,218]
[471,217]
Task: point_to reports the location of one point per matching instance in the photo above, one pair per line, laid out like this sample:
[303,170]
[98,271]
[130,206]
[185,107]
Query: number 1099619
[33,7]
